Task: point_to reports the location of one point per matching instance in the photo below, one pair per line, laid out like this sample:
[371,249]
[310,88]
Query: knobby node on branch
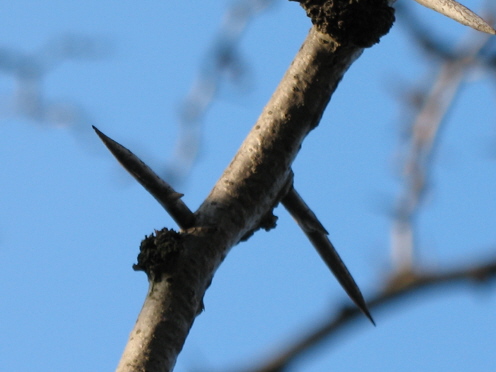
[357,22]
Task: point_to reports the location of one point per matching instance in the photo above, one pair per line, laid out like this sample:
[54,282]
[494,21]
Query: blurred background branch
[424,133]
[223,63]
[28,71]
[397,288]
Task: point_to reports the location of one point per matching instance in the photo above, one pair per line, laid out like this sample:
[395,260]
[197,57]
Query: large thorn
[317,234]
[158,188]
[459,13]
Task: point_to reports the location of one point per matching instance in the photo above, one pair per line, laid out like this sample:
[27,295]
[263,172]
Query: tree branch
[243,195]
[181,266]
[398,287]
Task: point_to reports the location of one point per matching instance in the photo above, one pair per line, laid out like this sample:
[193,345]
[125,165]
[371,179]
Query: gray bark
[247,191]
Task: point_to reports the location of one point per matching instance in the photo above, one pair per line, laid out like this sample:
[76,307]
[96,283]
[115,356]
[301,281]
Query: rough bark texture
[357,22]
[180,266]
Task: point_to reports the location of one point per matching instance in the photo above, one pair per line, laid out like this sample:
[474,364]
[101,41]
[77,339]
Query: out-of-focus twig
[28,70]
[422,139]
[396,289]
[222,61]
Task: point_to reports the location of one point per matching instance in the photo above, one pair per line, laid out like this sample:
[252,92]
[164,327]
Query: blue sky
[71,220]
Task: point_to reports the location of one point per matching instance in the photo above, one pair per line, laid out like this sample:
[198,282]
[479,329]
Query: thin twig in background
[328,329]
[28,100]
[422,140]
[28,70]
[223,63]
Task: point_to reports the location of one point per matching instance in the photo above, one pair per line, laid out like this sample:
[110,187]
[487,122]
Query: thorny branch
[408,278]
[246,192]
[29,102]
[291,200]
[261,164]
